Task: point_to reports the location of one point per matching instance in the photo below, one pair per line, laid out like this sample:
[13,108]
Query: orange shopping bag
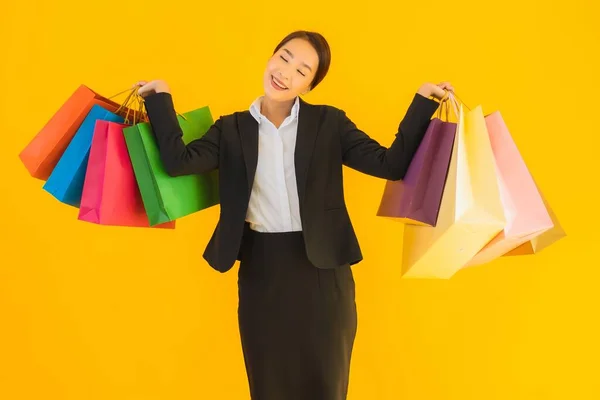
[42,153]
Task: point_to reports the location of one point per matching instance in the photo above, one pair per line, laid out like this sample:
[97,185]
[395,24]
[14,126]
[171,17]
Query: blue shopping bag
[65,182]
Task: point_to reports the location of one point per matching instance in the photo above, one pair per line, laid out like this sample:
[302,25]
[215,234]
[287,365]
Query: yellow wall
[91,312]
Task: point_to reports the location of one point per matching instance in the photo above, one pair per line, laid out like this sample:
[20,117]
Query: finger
[447,86]
[439,92]
[144,91]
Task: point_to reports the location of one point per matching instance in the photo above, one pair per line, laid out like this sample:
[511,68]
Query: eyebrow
[291,55]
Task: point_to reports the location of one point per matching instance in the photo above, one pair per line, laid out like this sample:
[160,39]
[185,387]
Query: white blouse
[274,204]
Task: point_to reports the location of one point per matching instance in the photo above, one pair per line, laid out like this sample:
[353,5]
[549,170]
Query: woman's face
[290,70]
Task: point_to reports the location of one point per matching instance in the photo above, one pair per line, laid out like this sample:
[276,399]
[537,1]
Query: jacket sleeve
[364,154]
[198,156]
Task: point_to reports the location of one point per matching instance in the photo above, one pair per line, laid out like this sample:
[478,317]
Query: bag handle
[128,104]
[450,97]
[132,100]
[461,102]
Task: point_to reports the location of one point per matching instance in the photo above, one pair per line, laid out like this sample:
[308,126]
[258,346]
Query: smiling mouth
[277,84]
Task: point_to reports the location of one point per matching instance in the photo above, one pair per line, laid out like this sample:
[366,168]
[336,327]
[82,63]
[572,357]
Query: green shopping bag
[167,198]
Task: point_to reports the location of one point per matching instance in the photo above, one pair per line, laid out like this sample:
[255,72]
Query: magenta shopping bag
[111,195]
[416,199]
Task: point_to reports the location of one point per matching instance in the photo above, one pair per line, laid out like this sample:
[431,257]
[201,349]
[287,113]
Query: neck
[276,110]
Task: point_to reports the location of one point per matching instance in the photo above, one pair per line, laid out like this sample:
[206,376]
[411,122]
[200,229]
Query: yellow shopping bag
[471,212]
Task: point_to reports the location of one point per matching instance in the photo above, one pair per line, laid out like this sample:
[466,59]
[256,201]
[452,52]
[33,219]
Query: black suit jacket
[327,139]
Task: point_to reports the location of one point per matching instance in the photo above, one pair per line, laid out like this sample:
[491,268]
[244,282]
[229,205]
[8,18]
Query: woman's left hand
[438,91]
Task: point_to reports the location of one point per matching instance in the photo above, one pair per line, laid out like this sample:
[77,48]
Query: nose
[282,76]
[284,73]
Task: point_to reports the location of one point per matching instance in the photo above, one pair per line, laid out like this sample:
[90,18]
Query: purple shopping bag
[416,199]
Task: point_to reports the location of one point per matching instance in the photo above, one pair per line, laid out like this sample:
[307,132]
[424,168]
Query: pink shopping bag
[110,192]
[524,209]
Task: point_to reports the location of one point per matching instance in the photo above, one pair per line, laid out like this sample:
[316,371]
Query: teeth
[278,85]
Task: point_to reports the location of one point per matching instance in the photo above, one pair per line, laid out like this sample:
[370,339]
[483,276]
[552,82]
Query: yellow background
[93,312]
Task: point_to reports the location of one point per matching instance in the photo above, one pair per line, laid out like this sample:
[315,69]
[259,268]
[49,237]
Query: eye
[283,58]
[301,73]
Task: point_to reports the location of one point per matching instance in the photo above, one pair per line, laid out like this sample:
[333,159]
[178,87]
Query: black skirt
[297,322]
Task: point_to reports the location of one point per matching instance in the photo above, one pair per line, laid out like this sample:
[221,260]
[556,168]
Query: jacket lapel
[308,124]
[248,131]
[308,127]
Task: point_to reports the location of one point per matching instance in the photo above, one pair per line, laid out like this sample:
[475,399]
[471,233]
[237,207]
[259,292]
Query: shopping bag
[167,198]
[471,212]
[544,239]
[526,214]
[110,193]
[42,153]
[416,198]
[65,182]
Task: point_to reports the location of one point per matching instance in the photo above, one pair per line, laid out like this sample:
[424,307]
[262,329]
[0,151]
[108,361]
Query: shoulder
[319,111]
[327,108]
[231,119]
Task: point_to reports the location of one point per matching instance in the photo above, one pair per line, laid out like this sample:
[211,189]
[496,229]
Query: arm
[366,155]
[198,156]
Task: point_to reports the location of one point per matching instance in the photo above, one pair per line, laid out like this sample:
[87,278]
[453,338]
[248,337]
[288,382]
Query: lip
[275,80]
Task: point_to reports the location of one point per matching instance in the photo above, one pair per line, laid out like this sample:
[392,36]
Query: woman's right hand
[148,88]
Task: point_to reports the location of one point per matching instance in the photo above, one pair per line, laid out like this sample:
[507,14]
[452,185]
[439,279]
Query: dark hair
[321,46]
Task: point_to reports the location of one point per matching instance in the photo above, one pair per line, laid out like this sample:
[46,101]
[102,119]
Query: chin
[279,96]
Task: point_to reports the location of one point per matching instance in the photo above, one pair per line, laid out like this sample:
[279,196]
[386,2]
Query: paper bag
[471,212]
[110,192]
[42,153]
[416,198]
[167,198]
[526,214]
[65,182]
[545,239]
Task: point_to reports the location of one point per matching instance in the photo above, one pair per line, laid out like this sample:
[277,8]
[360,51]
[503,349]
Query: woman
[283,214]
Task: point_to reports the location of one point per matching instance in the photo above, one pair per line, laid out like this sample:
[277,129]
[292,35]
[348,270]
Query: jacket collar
[309,116]
[254,109]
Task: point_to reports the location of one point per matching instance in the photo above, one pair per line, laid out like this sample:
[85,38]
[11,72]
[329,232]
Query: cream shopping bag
[471,212]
